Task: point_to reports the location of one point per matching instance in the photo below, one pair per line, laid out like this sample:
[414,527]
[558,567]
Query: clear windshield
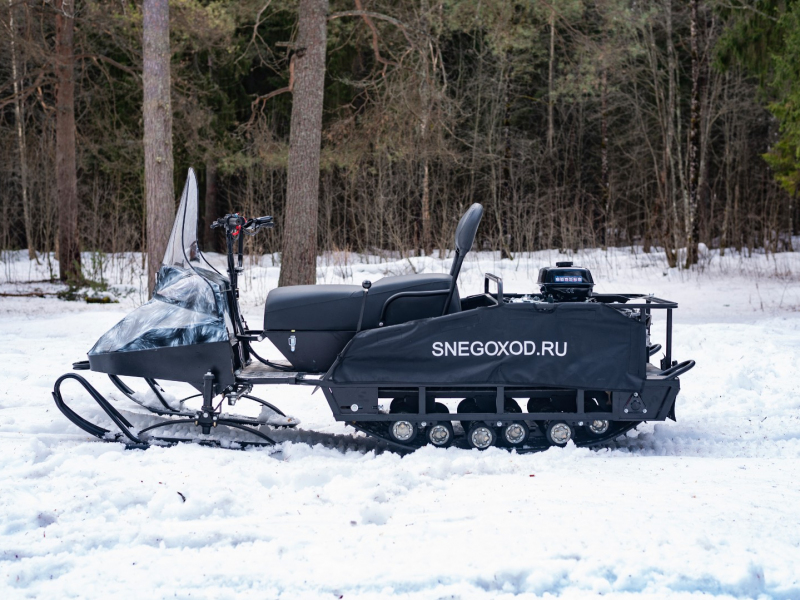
[189,304]
[182,248]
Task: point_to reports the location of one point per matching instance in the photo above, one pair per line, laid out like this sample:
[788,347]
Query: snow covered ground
[707,506]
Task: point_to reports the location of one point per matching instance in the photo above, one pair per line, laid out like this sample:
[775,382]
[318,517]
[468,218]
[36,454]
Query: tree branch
[255,35]
[375,47]
[23,93]
[748,7]
[366,13]
[262,99]
[111,61]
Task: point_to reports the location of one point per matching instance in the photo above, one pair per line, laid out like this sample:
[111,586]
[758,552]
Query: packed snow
[707,506]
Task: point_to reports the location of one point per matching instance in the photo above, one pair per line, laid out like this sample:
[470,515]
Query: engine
[565,283]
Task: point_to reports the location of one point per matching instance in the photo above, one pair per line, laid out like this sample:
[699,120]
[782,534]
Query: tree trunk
[19,117]
[728,157]
[69,255]
[158,166]
[426,100]
[690,210]
[211,212]
[604,176]
[672,143]
[550,73]
[299,257]
[506,186]
[426,207]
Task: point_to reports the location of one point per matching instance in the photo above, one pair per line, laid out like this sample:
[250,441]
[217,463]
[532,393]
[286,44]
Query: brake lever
[253,225]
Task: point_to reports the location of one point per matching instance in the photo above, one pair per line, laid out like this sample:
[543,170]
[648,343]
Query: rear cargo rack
[620,301]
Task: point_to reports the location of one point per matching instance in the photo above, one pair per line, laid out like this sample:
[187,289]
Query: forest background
[577,123]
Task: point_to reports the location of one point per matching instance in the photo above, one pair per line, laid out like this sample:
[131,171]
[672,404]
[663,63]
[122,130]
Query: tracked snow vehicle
[522,370]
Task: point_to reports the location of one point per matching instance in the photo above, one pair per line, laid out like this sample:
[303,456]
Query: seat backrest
[465,235]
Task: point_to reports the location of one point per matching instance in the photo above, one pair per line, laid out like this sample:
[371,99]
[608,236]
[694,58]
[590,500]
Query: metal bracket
[635,405]
[236,393]
[206,419]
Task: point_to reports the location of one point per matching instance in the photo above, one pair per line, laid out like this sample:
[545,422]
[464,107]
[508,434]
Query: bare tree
[576,123]
[299,257]
[19,117]
[690,208]
[550,71]
[69,255]
[158,161]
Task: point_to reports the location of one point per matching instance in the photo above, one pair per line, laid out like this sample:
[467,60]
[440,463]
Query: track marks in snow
[434,522]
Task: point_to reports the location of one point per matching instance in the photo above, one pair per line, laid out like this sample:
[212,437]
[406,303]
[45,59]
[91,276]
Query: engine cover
[566,283]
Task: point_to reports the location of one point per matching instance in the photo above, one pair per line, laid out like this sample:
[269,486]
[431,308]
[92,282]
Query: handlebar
[229,222]
[264,221]
[235,223]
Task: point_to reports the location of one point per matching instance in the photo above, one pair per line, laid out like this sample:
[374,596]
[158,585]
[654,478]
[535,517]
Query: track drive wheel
[514,434]
[403,431]
[559,433]
[481,436]
[440,434]
[597,427]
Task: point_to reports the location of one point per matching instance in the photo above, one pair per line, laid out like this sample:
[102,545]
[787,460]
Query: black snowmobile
[529,370]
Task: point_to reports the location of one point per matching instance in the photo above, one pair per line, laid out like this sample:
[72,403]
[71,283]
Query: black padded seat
[337,307]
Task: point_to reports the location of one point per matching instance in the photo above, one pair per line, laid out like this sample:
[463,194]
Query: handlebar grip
[262,220]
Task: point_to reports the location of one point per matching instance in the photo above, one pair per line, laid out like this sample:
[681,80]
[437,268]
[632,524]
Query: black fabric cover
[601,349]
[337,307]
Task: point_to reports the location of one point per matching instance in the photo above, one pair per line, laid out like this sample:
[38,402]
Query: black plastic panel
[314,351]
[176,363]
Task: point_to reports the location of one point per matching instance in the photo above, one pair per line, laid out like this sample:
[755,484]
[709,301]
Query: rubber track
[534,444]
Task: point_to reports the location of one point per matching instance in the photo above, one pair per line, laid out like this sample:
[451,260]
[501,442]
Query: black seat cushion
[337,307]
